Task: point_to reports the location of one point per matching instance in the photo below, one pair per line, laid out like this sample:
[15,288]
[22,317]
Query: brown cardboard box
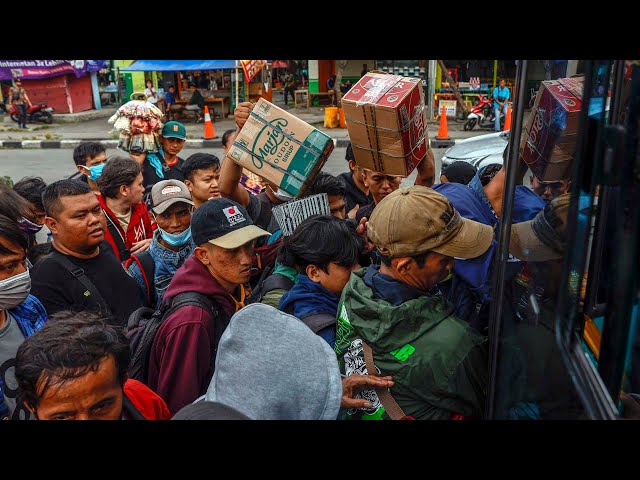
[387,123]
[281,148]
[549,139]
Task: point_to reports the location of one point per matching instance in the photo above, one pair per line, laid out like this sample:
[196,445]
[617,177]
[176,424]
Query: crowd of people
[377,309]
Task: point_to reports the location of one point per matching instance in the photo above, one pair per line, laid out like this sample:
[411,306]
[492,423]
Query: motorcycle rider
[501,96]
[20,99]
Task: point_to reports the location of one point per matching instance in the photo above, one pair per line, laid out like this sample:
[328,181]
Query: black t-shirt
[150,177]
[58,289]
[259,209]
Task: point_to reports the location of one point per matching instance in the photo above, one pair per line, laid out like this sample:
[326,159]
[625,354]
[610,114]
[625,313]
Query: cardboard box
[281,148]
[387,123]
[549,138]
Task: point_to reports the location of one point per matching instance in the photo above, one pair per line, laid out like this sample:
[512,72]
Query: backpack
[143,324]
[267,283]
[315,321]
[148,270]
[264,259]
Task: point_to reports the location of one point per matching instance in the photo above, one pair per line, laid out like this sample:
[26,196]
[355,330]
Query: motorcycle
[38,112]
[480,111]
[482,115]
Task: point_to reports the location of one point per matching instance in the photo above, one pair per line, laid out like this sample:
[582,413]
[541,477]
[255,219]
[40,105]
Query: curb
[66,144]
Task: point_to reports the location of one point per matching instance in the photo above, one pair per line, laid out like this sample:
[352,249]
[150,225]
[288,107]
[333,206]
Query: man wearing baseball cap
[172,244]
[165,164]
[439,363]
[184,348]
[546,385]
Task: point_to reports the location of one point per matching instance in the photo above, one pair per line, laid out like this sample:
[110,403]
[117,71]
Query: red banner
[252,68]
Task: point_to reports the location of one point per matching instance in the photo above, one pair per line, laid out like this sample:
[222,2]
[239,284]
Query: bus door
[555,334]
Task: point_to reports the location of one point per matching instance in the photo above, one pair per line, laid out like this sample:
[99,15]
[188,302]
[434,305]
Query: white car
[479,151]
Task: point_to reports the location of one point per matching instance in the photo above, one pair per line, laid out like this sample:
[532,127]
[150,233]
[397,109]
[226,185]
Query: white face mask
[14,290]
[282,195]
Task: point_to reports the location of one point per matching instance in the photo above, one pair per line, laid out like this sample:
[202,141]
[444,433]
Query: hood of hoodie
[193,276]
[271,366]
[381,323]
[308,297]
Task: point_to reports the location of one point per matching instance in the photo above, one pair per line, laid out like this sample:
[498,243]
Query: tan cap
[542,238]
[414,220]
[167,192]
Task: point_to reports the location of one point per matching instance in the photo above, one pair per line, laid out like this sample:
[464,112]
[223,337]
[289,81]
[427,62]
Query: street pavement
[56,164]
[70,129]
[21,149]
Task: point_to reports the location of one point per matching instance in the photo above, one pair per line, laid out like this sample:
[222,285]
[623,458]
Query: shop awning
[178,65]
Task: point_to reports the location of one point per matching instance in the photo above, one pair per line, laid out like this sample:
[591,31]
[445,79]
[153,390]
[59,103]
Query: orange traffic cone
[209,133]
[443,139]
[507,119]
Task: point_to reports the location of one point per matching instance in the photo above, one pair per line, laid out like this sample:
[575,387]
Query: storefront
[216,80]
[68,86]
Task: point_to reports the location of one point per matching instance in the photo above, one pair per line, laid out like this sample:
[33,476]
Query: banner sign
[32,69]
[252,67]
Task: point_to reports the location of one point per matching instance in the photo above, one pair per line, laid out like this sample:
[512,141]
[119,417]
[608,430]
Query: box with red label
[549,138]
[387,123]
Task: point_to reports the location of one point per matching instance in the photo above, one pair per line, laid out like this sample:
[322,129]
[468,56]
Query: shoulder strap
[318,321]
[79,274]
[194,298]
[123,253]
[388,402]
[148,269]
[264,218]
[274,282]
[131,409]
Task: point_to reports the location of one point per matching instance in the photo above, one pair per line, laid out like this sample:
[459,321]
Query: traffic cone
[507,119]
[443,139]
[209,133]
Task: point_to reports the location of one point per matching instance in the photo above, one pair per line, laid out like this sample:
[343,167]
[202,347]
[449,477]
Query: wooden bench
[295,97]
[321,96]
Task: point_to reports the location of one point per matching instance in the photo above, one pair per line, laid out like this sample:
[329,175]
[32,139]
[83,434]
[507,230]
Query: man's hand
[354,384]
[140,246]
[242,112]
[352,213]
[139,157]
[361,229]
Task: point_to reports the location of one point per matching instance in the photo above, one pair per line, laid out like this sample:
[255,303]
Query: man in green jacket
[439,363]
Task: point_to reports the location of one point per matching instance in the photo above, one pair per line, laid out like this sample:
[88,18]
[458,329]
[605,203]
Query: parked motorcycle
[479,112]
[38,112]
[482,115]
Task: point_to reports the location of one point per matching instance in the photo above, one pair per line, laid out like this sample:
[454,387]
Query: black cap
[224,223]
[459,172]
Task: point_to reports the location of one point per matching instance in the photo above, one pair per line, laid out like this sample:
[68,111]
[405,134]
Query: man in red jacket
[128,222]
[182,357]
[83,377]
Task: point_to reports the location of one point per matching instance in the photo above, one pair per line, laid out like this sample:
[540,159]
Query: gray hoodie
[271,366]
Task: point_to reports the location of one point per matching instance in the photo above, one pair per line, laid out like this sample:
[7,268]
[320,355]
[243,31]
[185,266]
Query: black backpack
[266,283]
[143,324]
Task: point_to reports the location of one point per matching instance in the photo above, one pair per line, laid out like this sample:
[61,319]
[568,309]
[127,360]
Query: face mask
[95,171]
[14,290]
[282,195]
[176,239]
[28,227]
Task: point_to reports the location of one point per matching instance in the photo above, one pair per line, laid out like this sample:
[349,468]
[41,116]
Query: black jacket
[353,196]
